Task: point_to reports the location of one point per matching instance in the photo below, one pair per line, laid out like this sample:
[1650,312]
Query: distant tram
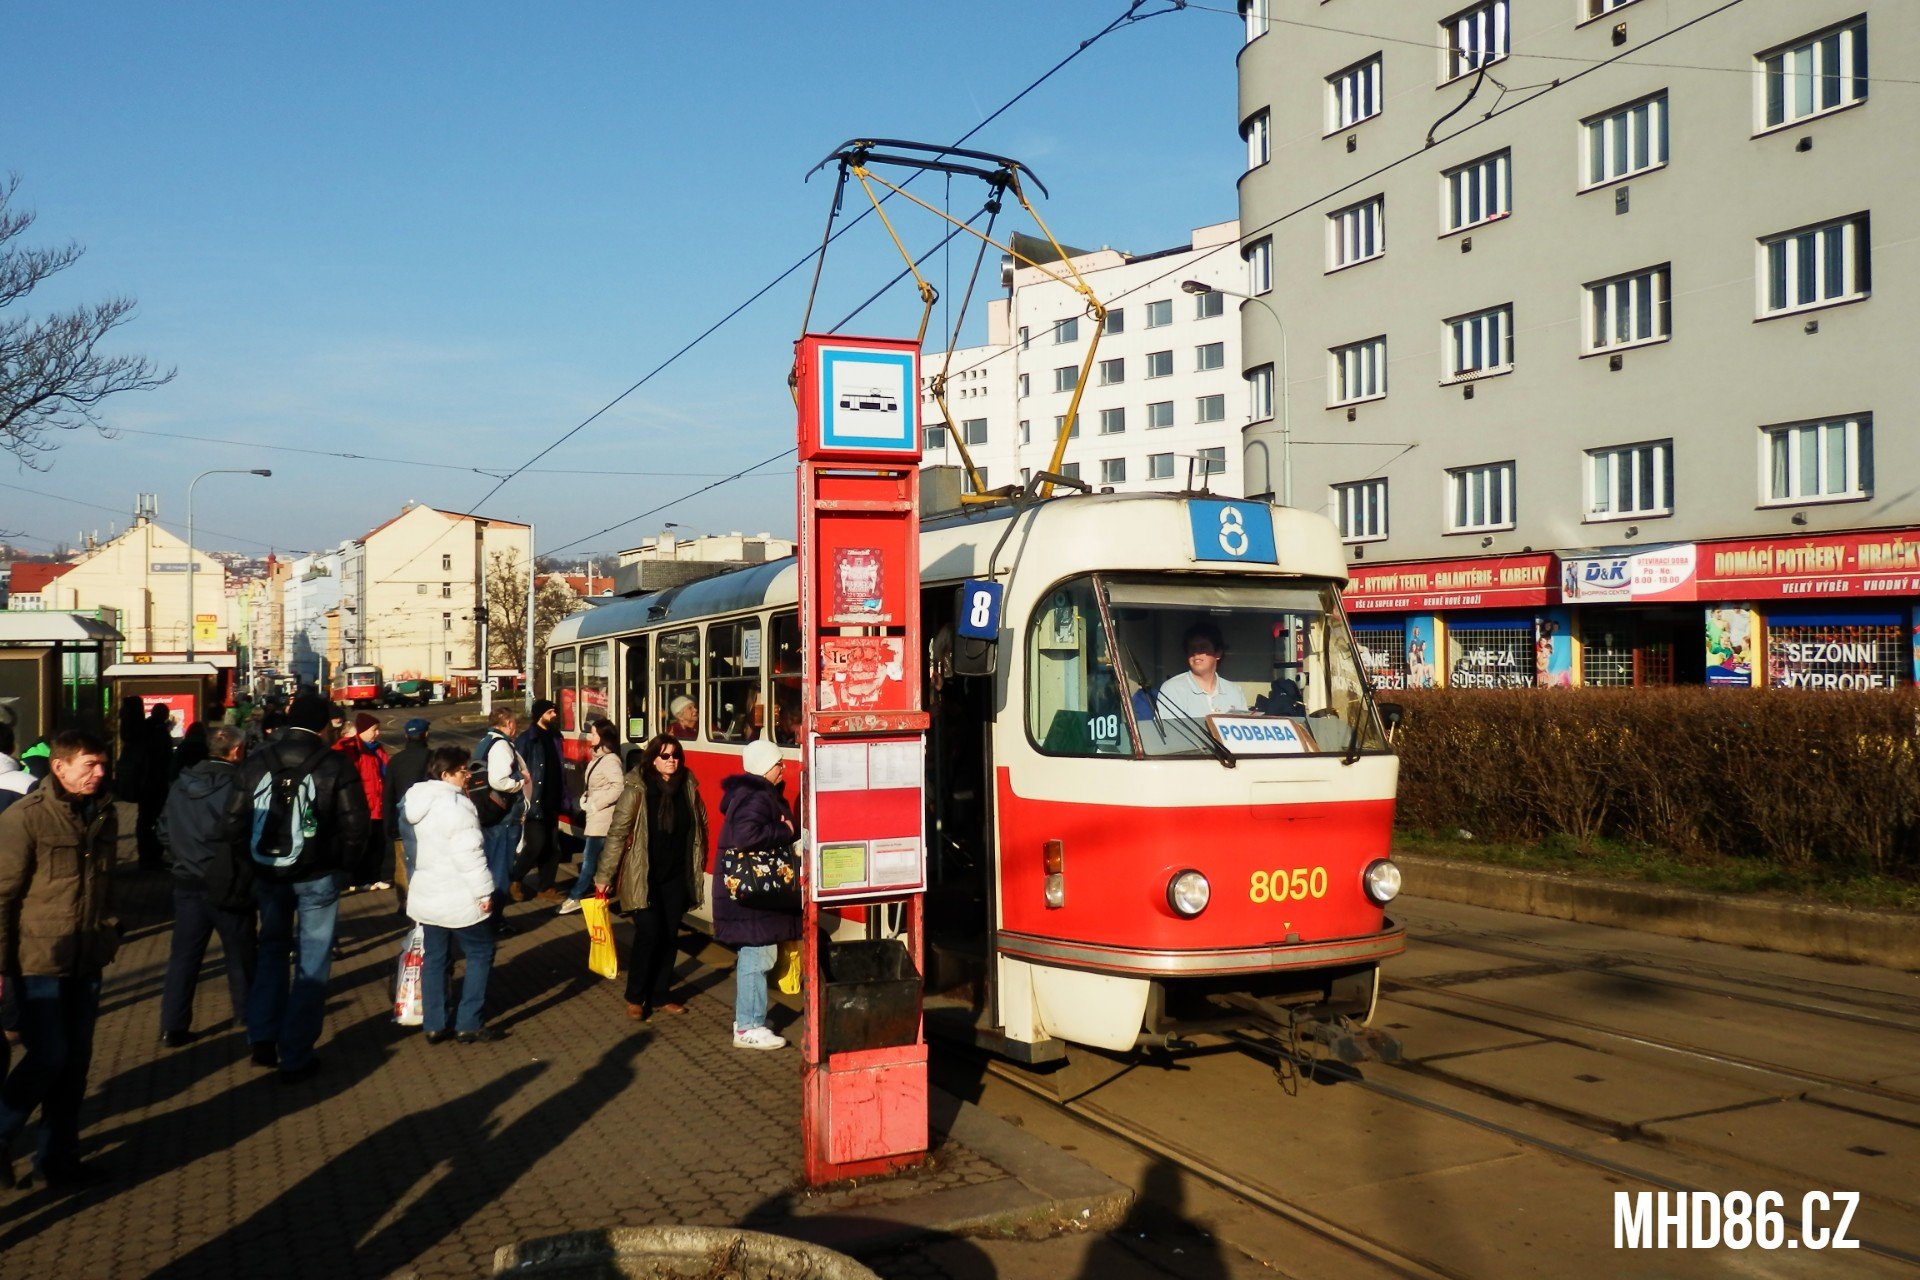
[1106,867]
[359,687]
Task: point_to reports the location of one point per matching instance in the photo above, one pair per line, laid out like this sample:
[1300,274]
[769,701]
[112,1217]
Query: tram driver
[1200,690]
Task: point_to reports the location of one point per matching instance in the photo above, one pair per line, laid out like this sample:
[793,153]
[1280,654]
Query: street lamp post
[1286,400]
[217,471]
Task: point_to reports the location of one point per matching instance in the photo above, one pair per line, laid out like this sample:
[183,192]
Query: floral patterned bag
[762,879]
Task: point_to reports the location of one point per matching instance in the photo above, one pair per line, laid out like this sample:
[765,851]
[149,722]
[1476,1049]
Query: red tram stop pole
[864,1108]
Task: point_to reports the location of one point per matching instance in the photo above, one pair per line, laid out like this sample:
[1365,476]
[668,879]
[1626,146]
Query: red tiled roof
[30,577]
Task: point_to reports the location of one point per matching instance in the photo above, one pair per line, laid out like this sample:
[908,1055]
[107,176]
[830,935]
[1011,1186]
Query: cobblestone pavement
[404,1157]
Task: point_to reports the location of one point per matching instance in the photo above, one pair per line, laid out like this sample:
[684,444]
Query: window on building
[1815,266]
[1159,414]
[1361,510]
[985,483]
[1601,8]
[1116,322]
[1353,95]
[1210,355]
[1258,15]
[1357,233]
[1024,384]
[1479,191]
[1026,431]
[1626,140]
[1630,480]
[1159,364]
[446,622]
[446,591]
[1060,420]
[1208,305]
[1259,143]
[1628,310]
[1112,371]
[1211,408]
[1827,461]
[1113,421]
[1159,313]
[1814,75]
[1071,470]
[1064,377]
[973,431]
[1480,498]
[935,439]
[1260,266]
[446,656]
[1476,37]
[1481,343]
[419,588]
[1159,466]
[1067,330]
[1212,462]
[1260,393]
[446,563]
[1359,371]
[1113,471]
[1026,337]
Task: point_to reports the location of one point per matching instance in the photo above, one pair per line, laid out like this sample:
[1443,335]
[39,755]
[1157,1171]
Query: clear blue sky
[449,232]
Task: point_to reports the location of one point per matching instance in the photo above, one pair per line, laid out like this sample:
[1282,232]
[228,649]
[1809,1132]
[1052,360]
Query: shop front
[1479,623]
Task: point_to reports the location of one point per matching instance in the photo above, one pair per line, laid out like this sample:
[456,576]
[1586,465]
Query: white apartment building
[1164,404]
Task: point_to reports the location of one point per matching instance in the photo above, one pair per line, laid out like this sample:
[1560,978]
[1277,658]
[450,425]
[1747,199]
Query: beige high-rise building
[409,586]
[1595,325]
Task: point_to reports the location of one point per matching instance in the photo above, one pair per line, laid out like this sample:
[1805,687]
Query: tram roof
[761,584]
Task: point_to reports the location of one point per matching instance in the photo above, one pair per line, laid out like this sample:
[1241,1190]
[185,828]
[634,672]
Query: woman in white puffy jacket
[449,894]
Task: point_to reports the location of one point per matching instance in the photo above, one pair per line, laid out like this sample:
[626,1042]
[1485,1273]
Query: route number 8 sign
[1232,531]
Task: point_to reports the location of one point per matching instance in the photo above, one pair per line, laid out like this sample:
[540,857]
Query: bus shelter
[51,668]
[189,690]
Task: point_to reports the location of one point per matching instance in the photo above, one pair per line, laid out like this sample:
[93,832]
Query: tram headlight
[1189,893]
[1382,881]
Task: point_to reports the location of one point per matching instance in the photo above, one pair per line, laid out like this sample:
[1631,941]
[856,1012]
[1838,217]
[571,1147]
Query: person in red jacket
[362,747]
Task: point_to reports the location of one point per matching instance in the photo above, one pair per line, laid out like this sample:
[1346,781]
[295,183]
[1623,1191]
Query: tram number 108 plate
[1296,885]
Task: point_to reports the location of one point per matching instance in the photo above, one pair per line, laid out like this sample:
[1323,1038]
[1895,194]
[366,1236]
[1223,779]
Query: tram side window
[596,662]
[787,674]
[561,687]
[678,666]
[734,709]
[1073,697]
[638,669]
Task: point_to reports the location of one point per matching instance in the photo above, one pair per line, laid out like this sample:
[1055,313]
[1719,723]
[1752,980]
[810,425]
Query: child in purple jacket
[754,815]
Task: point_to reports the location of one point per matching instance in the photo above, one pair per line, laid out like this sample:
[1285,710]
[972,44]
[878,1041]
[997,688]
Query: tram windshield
[1124,665]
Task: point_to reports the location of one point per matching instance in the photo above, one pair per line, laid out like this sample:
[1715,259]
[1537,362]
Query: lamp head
[263,471]
[1195,286]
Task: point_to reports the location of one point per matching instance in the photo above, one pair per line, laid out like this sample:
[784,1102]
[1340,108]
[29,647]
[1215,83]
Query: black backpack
[286,812]
[491,805]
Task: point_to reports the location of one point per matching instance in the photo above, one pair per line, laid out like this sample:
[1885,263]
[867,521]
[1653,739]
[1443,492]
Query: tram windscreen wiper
[1195,729]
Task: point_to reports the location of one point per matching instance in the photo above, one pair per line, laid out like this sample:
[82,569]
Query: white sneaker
[569,906]
[758,1038]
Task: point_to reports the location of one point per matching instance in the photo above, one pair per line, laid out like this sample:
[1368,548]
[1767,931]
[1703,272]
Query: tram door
[959,805]
[636,664]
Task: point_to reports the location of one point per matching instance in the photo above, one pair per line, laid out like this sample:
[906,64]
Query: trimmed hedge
[1807,779]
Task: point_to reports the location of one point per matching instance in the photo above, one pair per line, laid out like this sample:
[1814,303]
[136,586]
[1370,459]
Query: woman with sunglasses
[653,868]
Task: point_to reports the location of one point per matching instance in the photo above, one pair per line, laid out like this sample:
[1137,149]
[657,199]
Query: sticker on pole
[1232,531]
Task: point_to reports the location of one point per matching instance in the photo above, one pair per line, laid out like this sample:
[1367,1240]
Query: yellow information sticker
[843,865]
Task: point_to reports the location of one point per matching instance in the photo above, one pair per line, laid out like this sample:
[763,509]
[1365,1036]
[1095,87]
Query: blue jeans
[501,841]
[277,1014]
[56,1032]
[750,985]
[589,863]
[476,946]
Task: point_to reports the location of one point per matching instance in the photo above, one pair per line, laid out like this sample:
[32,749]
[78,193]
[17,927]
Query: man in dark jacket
[212,883]
[539,746]
[57,933]
[407,767]
[297,876]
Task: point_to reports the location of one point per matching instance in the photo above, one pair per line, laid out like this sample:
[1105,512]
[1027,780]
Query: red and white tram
[1108,865]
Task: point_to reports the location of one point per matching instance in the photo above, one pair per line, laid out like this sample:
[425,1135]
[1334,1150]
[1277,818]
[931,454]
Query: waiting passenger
[451,893]
[685,717]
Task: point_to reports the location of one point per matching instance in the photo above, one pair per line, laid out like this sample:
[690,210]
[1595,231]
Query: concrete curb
[1887,939]
[1048,1192]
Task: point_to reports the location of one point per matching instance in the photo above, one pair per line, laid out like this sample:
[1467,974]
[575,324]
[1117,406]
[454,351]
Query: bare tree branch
[52,374]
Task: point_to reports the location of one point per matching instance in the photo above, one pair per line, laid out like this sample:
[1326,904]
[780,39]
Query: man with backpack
[497,786]
[539,747]
[212,883]
[306,813]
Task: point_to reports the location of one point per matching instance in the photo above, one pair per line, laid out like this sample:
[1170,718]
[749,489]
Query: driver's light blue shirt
[1182,693]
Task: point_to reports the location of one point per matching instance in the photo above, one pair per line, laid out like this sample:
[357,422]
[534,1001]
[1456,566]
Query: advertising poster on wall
[1838,651]
[1423,653]
[1730,631]
[181,710]
[857,672]
[1553,649]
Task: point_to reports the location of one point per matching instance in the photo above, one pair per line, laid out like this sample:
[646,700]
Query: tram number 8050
[1288,886]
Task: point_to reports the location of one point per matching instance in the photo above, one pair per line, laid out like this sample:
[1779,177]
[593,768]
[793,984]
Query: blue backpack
[285,815]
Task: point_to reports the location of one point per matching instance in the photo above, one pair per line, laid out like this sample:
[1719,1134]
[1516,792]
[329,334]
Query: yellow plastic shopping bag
[600,956]
[788,970]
